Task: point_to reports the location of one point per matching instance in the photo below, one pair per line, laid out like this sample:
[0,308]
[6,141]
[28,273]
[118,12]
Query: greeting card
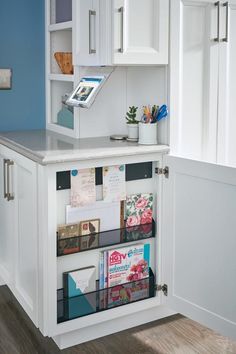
[114,187]
[139,209]
[83,189]
[79,289]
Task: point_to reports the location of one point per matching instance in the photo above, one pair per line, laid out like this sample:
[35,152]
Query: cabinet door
[194,78]
[18,232]
[141,31]
[227,86]
[87,45]
[7,218]
[26,237]
[199,242]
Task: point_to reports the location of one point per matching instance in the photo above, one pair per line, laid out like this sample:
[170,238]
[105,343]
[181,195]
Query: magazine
[127,264]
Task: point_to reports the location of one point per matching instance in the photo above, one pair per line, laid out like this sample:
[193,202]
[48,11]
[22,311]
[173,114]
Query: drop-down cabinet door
[199,242]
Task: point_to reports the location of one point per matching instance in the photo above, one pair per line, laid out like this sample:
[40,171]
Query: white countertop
[46,147]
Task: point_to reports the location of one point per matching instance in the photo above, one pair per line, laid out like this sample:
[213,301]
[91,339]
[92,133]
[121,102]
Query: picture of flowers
[138,271]
[139,209]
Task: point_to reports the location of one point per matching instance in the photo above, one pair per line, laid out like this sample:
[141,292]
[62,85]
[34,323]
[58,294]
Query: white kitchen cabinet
[227,86]
[121,32]
[192,254]
[141,32]
[202,80]
[19,234]
[93,34]
[194,78]
[90,29]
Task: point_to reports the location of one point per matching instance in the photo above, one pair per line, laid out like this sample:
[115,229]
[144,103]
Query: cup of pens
[149,124]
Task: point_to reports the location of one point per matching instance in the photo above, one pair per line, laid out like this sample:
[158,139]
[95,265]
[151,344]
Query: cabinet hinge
[163,288]
[162,171]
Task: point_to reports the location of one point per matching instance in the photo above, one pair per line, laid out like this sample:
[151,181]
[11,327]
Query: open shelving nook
[60,38]
[141,180]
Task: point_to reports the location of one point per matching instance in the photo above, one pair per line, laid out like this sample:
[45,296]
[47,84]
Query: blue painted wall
[22,49]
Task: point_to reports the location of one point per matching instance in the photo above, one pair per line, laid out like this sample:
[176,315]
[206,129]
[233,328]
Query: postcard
[68,231]
[114,186]
[89,227]
[83,188]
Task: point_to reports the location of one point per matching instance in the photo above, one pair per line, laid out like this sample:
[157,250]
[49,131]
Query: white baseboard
[106,328]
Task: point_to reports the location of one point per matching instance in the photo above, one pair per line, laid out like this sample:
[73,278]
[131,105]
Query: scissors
[162,113]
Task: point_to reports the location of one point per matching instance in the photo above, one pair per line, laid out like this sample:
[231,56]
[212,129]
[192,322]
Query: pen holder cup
[148,134]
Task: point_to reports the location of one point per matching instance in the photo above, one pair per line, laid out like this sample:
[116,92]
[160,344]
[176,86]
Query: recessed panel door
[199,242]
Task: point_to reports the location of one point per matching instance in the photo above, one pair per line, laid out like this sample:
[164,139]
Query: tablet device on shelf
[86,91]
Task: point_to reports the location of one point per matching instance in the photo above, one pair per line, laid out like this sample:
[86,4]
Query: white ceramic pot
[148,134]
[133,131]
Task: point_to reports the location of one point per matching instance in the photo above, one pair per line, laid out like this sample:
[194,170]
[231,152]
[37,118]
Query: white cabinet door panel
[26,242]
[227,89]
[87,45]
[7,224]
[194,78]
[199,242]
[141,31]
[19,230]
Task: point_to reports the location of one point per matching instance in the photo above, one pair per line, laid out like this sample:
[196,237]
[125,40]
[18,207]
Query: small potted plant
[132,123]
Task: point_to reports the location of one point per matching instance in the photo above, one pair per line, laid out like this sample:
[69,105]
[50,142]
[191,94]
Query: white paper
[108,213]
[114,186]
[83,188]
[85,279]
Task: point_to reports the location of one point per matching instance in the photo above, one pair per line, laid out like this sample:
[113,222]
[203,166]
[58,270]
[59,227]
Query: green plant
[131,115]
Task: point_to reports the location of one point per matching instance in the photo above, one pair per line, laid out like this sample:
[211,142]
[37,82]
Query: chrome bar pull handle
[91,14]
[226,39]
[217,39]
[9,196]
[121,11]
[4,178]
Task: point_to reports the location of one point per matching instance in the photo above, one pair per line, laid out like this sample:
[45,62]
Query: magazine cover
[127,264]
[139,209]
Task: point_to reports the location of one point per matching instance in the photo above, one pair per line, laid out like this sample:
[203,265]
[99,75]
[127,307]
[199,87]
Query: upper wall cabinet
[227,86]
[121,32]
[194,66]
[91,40]
[202,80]
[140,29]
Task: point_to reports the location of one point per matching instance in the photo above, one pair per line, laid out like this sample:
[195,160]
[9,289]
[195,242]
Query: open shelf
[60,26]
[61,77]
[104,239]
[104,299]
